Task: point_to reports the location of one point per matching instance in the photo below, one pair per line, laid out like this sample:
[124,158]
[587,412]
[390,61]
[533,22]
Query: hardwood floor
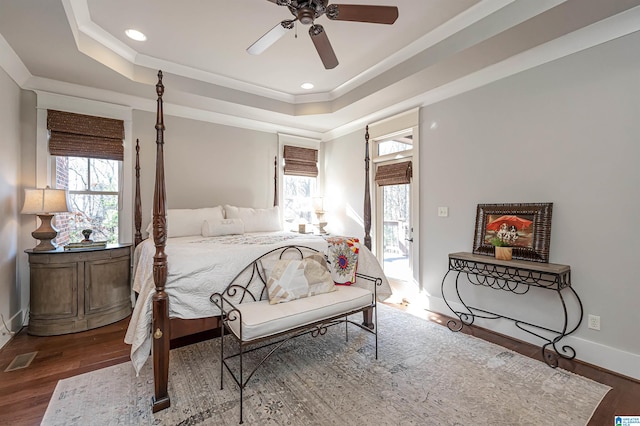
[25,393]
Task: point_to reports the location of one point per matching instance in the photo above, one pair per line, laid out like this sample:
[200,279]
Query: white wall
[206,164]
[10,303]
[565,132]
[344,185]
[28,176]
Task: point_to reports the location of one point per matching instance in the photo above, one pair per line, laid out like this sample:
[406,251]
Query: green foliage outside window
[93,197]
[298,205]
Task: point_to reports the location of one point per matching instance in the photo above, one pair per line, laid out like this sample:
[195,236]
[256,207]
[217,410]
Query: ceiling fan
[307,11]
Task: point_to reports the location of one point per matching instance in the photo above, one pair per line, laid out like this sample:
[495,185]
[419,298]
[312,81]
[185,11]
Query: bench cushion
[260,319]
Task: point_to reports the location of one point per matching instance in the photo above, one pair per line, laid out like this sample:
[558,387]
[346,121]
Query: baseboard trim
[611,360]
[7,335]
[10,320]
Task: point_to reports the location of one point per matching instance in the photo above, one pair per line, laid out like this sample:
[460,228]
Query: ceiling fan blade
[362,13]
[273,35]
[323,46]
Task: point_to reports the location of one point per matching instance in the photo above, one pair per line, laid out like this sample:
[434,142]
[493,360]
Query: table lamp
[45,202]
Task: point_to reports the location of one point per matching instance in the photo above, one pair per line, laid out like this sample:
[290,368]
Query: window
[298,196]
[93,185]
[398,144]
[88,152]
[300,174]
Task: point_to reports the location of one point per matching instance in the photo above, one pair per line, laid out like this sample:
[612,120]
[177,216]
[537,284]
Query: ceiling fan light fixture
[306,15]
[135,35]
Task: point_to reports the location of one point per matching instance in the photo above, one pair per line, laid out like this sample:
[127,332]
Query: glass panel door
[397,231]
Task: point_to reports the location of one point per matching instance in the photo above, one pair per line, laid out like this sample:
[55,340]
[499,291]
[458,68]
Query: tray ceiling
[435,49]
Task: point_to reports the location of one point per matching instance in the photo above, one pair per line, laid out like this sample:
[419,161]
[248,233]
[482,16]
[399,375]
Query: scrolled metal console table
[518,277]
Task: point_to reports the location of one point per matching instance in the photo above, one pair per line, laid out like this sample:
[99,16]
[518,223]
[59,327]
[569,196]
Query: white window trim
[44,162]
[379,132]
[285,139]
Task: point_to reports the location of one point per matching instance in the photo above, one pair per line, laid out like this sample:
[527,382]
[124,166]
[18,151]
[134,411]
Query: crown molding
[11,63]
[93,41]
[226,113]
[608,29]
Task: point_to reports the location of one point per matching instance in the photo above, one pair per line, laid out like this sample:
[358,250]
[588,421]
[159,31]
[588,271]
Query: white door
[396,243]
[397,231]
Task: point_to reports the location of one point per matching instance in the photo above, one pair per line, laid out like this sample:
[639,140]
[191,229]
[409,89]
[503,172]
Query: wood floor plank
[25,394]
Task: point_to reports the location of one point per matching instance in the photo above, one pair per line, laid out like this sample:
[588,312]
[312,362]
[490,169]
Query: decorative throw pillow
[188,222]
[256,220]
[343,259]
[295,279]
[216,228]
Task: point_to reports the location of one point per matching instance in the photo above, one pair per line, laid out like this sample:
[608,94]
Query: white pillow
[216,228]
[295,279]
[256,220]
[188,222]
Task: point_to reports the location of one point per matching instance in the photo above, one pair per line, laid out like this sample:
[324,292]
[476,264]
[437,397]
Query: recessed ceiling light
[135,35]
[307,86]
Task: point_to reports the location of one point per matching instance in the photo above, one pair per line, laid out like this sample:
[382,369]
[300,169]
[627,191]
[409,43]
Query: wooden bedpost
[367,195]
[275,181]
[367,315]
[160,330]
[138,202]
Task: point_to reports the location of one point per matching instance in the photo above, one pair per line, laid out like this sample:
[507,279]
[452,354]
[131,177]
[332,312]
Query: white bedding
[199,266]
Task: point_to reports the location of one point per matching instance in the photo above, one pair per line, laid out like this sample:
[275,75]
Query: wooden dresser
[74,291]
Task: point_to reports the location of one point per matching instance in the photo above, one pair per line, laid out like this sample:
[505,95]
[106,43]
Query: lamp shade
[47,200]
[318,204]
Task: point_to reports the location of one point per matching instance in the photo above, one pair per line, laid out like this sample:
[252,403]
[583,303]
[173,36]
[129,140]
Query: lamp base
[45,233]
[321,226]
[321,222]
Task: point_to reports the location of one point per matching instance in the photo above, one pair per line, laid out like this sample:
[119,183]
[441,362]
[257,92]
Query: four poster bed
[173,299]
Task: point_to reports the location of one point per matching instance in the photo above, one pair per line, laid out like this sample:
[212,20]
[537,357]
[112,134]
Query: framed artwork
[525,227]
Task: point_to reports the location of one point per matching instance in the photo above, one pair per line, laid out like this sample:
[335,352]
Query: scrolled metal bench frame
[240,290]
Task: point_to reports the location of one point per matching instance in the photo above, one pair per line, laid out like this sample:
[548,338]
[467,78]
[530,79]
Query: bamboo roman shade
[78,135]
[394,174]
[300,161]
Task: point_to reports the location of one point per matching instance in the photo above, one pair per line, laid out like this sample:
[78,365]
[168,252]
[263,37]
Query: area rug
[425,375]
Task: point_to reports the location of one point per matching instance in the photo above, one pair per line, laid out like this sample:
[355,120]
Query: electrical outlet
[594,322]
[443,211]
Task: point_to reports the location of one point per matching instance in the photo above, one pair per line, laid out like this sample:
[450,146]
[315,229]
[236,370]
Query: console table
[74,291]
[518,277]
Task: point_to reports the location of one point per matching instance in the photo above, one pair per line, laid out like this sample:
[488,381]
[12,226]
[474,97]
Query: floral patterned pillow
[343,259]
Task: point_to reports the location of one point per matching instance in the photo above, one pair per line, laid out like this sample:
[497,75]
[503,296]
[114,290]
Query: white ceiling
[436,49]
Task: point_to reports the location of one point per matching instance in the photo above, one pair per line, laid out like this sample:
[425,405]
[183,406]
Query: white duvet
[198,266]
